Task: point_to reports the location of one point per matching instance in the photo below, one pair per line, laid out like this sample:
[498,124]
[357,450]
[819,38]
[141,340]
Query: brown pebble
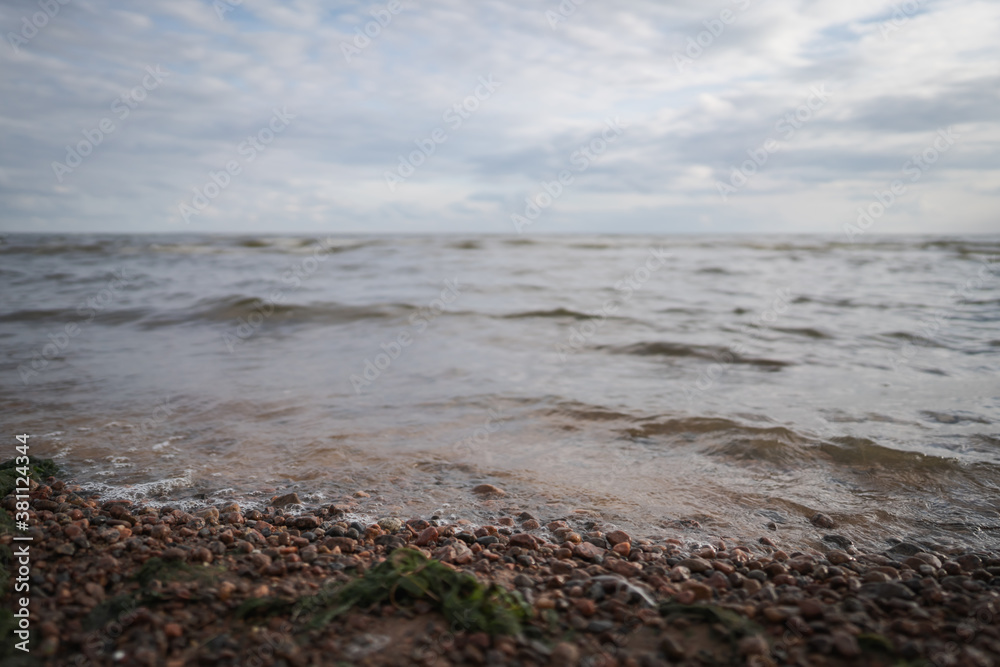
[523,540]
[530,524]
[588,551]
[698,590]
[174,553]
[696,564]
[623,549]
[426,536]
[287,499]
[753,645]
[838,557]
[173,630]
[226,589]
[821,520]
[617,537]
[586,606]
[846,645]
[565,653]
[623,567]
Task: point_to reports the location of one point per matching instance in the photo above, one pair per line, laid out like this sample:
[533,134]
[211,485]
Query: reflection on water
[734,382]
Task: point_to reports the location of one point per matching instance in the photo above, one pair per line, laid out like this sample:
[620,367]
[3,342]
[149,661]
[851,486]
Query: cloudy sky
[440,115]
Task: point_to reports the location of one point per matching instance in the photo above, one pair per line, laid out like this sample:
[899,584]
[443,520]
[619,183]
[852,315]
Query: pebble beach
[117,582]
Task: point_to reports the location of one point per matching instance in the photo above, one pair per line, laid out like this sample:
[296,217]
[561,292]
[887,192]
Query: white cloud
[891,88]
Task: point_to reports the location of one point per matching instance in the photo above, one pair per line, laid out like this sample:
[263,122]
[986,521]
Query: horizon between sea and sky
[403,117]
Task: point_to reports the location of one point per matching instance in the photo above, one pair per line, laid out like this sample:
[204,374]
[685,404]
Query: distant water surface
[658,384]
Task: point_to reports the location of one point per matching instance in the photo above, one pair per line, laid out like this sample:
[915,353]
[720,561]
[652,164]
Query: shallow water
[731,382]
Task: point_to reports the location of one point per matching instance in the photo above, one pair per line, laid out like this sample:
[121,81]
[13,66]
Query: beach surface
[117,582]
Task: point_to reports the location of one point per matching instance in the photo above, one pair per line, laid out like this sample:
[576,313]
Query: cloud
[698,84]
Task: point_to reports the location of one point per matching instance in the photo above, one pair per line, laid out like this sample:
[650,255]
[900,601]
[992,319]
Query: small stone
[226,589]
[699,590]
[307,522]
[346,544]
[696,564]
[66,549]
[201,555]
[887,590]
[586,606]
[618,537]
[260,561]
[488,490]
[923,558]
[531,524]
[174,553]
[426,536]
[623,549]
[623,567]
[285,500]
[846,645]
[523,540]
[753,645]
[588,551]
[838,557]
[390,524]
[565,653]
[173,630]
[811,608]
[821,520]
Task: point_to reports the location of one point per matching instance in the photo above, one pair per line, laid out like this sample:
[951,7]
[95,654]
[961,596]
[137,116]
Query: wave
[707,352]
[235,307]
[554,312]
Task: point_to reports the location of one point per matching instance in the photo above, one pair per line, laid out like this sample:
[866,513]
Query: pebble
[426,536]
[697,565]
[523,540]
[617,537]
[390,525]
[564,653]
[588,551]
[286,500]
[821,520]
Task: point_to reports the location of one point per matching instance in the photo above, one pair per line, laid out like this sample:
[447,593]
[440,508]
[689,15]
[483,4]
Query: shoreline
[119,582]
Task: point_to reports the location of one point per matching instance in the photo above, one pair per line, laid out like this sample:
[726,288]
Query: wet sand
[114,582]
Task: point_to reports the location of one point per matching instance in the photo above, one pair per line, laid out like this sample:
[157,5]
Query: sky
[531,117]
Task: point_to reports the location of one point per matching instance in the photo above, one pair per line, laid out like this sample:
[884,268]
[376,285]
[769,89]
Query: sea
[696,387]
